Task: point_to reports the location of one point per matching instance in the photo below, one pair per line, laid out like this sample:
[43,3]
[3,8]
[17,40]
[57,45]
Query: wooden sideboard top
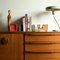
[33,33]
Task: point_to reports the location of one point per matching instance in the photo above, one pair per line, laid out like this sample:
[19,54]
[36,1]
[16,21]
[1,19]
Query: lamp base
[56,30]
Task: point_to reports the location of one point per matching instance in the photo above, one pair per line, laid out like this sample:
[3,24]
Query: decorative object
[9,18]
[44,28]
[38,27]
[13,27]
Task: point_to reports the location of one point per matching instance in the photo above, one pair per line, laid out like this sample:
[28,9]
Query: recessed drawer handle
[29,34]
[42,42]
[36,35]
[3,41]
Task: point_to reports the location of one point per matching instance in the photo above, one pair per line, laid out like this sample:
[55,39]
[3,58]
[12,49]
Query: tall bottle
[9,18]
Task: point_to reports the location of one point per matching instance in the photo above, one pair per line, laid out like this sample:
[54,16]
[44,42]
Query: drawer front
[42,39]
[5,47]
[17,46]
[13,49]
[47,56]
[42,47]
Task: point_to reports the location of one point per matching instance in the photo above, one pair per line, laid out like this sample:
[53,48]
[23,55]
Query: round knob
[3,41]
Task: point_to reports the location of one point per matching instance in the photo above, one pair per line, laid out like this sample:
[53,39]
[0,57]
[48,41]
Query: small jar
[33,28]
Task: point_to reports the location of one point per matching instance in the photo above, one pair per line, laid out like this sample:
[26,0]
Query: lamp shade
[52,8]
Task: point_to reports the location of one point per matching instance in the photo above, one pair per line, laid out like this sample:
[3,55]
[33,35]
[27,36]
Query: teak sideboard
[29,45]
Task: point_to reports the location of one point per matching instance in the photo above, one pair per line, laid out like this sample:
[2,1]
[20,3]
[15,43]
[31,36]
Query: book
[24,28]
[29,23]
[26,22]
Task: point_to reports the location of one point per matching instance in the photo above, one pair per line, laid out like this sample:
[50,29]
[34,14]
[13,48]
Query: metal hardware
[3,41]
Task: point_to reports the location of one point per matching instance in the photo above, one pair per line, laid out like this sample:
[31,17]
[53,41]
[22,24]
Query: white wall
[33,8]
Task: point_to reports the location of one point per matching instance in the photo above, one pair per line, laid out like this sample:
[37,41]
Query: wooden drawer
[42,47]
[47,56]
[42,38]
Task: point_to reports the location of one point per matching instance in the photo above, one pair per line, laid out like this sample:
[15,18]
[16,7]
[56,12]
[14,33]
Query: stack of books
[26,23]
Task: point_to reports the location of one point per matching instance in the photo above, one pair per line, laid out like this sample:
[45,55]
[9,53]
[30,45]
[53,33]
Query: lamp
[53,9]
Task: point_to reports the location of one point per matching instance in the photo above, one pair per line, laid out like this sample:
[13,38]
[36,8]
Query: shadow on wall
[3,27]
[40,14]
[18,21]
